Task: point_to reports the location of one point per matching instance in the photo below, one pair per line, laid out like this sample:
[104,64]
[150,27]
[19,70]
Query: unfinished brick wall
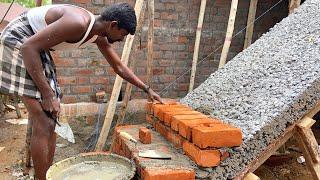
[83,72]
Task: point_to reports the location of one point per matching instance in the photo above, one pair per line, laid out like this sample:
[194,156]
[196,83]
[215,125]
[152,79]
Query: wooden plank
[306,122]
[314,168]
[251,176]
[230,28]
[250,23]
[314,110]
[150,42]
[293,4]
[118,82]
[197,43]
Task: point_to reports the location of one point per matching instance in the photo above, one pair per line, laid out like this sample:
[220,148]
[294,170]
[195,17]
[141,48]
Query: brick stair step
[185,126]
[177,118]
[216,135]
[203,158]
[161,113]
[167,116]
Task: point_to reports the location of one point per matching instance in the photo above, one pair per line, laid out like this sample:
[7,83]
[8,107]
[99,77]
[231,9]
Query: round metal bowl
[92,166]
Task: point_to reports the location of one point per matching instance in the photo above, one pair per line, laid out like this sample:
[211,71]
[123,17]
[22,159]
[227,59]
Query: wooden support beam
[251,176]
[313,167]
[293,4]
[250,23]
[150,42]
[307,136]
[197,43]
[230,28]
[118,82]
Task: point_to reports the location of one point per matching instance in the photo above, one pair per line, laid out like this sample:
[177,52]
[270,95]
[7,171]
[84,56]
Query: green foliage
[27,3]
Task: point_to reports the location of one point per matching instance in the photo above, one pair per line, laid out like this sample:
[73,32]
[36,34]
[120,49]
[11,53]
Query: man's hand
[154,96]
[51,104]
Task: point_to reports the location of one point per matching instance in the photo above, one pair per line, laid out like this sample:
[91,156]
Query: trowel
[154,154]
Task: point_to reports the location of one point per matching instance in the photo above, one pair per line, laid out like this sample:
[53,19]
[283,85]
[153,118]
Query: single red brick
[185,126]
[145,135]
[216,135]
[160,128]
[177,118]
[175,138]
[156,105]
[167,116]
[203,158]
[148,107]
[149,173]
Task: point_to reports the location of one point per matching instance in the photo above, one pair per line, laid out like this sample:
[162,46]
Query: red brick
[149,119]
[177,118]
[156,108]
[148,107]
[81,89]
[174,138]
[69,99]
[167,116]
[160,110]
[185,126]
[203,158]
[98,80]
[160,128]
[160,115]
[145,135]
[83,80]
[216,135]
[67,80]
[167,174]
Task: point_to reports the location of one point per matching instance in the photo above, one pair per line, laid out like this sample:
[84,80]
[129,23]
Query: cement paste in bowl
[93,166]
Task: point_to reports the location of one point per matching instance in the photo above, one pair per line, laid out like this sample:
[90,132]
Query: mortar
[92,166]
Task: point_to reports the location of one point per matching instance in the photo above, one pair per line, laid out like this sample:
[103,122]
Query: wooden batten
[197,43]
[230,28]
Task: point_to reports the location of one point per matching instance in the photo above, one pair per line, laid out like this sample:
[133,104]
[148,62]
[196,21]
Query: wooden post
[227,41]
[250,23]
[150,42]
[197,43]
[251,176]
[293,4]
[127,94]
[118,82]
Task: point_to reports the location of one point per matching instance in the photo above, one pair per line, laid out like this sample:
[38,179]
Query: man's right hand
[51,104]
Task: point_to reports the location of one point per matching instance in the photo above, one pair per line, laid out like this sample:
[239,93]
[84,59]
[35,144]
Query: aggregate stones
[265,88]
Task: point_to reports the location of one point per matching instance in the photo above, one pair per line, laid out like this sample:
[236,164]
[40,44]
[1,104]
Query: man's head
[122,20]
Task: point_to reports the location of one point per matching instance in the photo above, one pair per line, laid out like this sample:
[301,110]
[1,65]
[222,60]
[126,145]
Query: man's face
[114,33]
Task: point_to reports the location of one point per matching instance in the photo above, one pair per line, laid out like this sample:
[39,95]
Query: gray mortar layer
[266,87]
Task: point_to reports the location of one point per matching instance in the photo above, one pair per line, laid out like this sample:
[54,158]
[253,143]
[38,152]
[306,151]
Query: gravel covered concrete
[267,87]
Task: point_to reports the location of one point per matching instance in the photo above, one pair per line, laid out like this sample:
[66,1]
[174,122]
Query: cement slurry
[266,87]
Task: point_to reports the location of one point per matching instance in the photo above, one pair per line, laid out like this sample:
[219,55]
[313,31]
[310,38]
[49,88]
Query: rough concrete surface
[266,87]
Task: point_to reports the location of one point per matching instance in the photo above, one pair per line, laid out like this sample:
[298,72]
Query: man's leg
[42,139]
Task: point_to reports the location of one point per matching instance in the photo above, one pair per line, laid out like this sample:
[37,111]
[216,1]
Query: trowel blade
[154,154]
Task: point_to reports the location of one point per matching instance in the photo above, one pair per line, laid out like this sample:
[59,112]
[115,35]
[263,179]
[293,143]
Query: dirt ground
[12,137]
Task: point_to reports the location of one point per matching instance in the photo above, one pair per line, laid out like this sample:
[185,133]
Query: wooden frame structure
[301,130]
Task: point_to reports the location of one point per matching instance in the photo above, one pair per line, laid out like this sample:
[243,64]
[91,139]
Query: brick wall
[83,72]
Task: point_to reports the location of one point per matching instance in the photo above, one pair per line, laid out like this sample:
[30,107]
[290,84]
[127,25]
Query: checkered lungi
[14,78]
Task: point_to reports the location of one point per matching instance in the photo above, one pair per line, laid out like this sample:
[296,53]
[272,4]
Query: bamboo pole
[230,28]
[150,42]
[127,94]
[250,23]
[197,43]
[118,82]
[293,4]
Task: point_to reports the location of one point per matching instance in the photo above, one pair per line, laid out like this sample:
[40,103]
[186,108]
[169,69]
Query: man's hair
[123,13]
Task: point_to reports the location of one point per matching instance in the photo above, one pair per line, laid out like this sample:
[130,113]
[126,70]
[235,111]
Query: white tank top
[36,18]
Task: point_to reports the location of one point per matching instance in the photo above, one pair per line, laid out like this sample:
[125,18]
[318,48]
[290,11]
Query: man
[27,69]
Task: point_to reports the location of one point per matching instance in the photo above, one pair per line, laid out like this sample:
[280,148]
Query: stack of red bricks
[202,138]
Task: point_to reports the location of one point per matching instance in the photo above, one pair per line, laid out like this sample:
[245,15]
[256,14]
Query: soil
[12,158]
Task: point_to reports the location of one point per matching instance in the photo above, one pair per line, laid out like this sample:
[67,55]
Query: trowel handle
[128,136]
